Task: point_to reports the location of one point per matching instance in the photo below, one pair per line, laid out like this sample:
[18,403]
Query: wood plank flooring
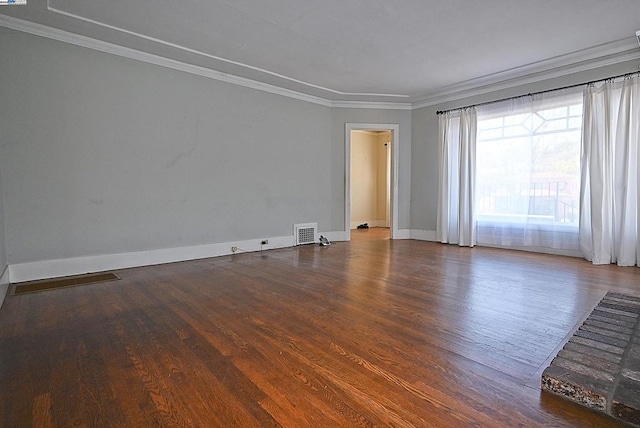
[368,333]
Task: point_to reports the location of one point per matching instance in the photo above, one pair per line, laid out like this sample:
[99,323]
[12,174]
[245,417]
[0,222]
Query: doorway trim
[395,139]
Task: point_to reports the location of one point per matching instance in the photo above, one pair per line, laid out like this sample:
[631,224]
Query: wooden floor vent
[70,281]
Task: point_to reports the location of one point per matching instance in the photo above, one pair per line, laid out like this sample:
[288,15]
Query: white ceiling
[402,51]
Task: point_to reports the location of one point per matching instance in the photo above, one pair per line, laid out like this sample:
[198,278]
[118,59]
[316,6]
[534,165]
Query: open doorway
[371,178]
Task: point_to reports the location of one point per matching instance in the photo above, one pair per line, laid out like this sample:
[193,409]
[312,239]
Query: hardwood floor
[368,333]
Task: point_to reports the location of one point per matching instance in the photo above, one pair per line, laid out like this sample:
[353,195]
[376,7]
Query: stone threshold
[599,367]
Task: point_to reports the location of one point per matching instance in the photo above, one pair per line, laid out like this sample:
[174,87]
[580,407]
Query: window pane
[576,110]
[528,166]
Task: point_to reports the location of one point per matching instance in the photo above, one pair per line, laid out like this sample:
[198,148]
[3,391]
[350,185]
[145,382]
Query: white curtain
[528,172]
[609,219]
[456,196]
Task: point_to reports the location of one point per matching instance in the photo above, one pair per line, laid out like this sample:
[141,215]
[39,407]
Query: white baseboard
[402,234]
[336,236]
[80,265]
[543,250]
[32,271]
[423,235]
[4,284]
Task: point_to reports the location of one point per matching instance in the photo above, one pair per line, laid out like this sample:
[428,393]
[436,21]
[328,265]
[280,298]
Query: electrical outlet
[264,242]
[234,249]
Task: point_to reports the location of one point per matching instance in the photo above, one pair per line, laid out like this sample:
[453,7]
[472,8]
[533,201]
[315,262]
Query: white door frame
[395,135]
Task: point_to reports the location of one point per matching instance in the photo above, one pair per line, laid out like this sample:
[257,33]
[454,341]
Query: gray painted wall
[4,272]
[425,152]
[3,252]
[102,154]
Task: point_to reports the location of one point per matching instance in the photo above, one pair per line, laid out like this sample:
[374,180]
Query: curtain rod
[540,92]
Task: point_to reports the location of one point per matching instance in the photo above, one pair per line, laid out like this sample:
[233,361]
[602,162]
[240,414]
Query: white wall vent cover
[305,233]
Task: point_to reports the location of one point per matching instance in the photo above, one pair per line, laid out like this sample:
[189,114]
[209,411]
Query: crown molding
[576,62]
[584,60]
[372,105]
[110,48]
[98,45]
[219,58]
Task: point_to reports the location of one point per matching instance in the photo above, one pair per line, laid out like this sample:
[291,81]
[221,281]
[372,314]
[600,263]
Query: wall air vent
[305,233]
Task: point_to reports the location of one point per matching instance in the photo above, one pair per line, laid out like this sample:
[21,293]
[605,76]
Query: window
[553,172]
[528,170]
